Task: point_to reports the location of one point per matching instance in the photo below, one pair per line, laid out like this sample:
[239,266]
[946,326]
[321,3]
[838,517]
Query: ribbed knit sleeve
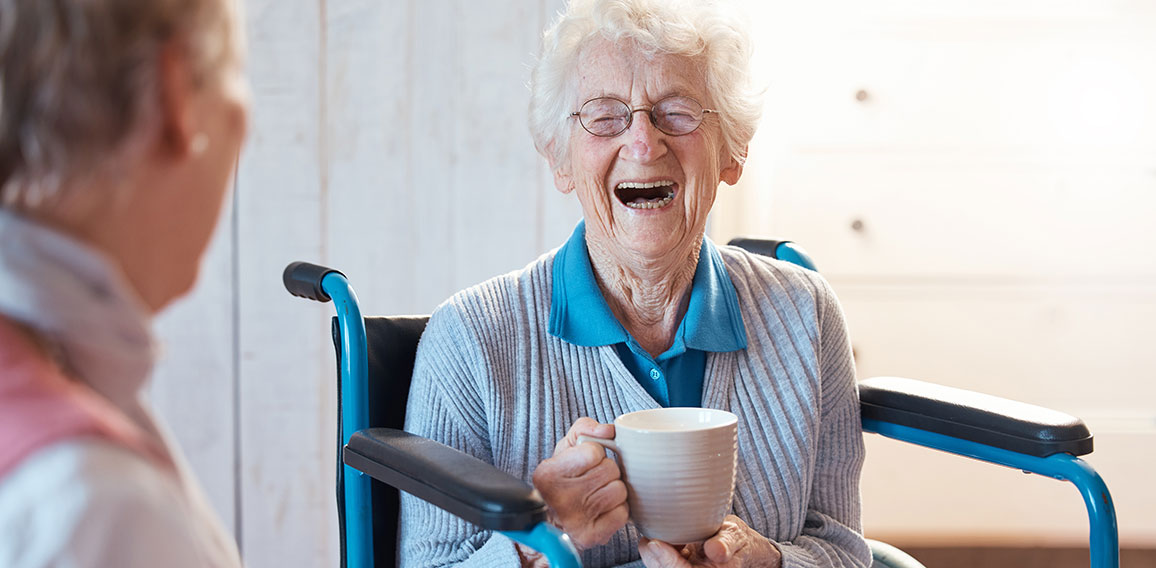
[491,381]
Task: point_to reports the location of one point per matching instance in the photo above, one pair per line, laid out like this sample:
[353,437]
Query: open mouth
[645,195]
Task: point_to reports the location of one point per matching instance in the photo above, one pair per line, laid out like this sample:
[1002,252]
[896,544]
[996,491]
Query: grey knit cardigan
[491,381]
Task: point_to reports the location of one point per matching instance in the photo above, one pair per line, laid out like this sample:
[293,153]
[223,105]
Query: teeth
[644,185]
[651,204]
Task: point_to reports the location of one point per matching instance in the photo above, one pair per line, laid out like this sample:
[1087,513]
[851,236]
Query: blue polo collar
[580,315]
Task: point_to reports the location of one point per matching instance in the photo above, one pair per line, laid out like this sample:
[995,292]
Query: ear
[562,178]
[733,170]
[174,101]
[563,181]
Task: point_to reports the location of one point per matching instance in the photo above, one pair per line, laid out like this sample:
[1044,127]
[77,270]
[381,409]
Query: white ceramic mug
[679,468]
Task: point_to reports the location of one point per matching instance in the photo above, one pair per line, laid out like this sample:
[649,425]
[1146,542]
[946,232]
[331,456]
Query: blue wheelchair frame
[322,284]
[1104,542]
[543,537]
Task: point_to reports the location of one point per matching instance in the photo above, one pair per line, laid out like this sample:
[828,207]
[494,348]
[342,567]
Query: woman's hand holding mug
[734,545]
[583,487]
[679,469]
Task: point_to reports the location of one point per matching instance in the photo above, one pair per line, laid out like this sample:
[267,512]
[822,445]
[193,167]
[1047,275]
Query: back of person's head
[78,85]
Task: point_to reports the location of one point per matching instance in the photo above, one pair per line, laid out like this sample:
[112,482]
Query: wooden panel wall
[388,139]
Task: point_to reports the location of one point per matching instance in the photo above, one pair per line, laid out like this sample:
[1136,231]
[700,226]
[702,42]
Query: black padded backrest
[391,343]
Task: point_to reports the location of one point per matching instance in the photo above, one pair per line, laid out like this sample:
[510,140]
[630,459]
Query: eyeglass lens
[607,116]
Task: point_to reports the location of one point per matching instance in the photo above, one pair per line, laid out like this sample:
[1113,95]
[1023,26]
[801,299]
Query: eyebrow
[663,95]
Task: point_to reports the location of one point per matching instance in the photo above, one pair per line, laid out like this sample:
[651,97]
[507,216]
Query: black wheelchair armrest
[443,476]
[973,416]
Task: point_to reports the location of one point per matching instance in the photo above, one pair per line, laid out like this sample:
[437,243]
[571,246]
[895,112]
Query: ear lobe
[174,99]
[563,181]
[562,178]
[733,170]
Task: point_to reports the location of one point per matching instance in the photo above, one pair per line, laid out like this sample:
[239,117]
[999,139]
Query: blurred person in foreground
[642,108]
[120,125]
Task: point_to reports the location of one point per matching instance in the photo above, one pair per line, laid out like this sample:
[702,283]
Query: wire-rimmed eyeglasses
[609,117]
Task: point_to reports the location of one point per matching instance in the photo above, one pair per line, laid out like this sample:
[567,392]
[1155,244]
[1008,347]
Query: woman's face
[222,108]
[184,217]
[662,221]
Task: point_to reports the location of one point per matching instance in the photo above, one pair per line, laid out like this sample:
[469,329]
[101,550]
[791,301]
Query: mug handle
[604,442]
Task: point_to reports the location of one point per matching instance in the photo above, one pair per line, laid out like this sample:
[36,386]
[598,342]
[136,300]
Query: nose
[645,143]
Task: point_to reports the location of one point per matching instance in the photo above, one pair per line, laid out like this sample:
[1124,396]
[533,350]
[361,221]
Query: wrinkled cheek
[698,208]
[597,205]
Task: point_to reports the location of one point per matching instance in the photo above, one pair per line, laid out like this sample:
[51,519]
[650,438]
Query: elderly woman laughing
[642,109]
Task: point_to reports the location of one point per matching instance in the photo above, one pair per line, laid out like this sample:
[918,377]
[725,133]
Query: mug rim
[728,419]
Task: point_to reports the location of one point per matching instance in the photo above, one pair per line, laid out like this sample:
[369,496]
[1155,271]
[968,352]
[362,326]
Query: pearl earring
[199,144]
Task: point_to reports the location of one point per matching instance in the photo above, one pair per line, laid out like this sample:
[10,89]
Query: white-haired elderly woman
[641,108]
[120,125]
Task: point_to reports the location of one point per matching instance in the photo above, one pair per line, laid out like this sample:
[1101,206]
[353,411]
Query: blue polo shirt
[580,315]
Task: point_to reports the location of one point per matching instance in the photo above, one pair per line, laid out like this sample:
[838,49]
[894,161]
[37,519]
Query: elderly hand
[735,544]
[583,487]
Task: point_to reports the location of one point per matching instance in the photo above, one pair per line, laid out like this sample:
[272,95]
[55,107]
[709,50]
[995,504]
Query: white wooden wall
[1001,165]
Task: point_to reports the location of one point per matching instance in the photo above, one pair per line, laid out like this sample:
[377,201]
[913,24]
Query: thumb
[717,550]
[659,553]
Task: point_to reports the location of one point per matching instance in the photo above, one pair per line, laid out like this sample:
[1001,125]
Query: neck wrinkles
[649,296]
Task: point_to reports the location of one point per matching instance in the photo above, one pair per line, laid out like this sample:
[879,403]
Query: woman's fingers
[737,544]
[658,554]
[731,537]
[606,497]
[609,522]
[583,427]
[734,545]
[719,549]
[583,487]
[579,459]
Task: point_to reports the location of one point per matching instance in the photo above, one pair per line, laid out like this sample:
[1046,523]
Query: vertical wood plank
[368,110]
[435,86]
[483,200]
[496,182]
[287,408]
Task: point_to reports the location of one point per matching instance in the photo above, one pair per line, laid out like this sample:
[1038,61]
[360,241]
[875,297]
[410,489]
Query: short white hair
[708,31]
[78,83]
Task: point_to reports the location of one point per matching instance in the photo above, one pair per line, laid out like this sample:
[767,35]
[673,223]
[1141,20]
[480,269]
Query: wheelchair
[377,459]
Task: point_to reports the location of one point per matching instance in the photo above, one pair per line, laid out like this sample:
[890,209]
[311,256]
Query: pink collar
[39,406]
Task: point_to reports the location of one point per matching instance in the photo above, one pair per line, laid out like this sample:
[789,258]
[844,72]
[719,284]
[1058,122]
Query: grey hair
[78,83]
[708,31]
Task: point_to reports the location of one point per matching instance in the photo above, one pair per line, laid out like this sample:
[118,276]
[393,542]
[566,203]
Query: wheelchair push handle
[303,280]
